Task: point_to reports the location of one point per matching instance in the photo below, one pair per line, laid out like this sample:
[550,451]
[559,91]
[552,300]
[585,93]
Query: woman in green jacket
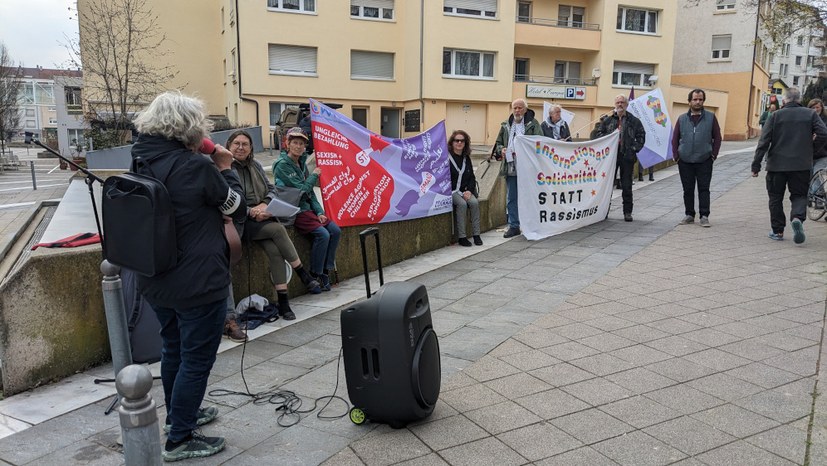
[291,170]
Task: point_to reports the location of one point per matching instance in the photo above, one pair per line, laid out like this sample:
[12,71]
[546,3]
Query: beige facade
[720,48]
[463,61]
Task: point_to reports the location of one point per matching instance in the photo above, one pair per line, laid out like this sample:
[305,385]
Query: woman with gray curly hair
[190,298]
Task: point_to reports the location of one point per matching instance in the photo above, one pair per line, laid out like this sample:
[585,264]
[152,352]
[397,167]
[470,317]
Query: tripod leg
[111,405]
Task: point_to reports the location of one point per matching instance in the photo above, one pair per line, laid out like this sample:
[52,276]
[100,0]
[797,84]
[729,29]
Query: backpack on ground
[139,222]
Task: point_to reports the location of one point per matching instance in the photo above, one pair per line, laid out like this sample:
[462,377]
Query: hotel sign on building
[555,92]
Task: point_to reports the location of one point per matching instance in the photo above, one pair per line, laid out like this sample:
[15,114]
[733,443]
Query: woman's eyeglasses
[459,140]
[242,145]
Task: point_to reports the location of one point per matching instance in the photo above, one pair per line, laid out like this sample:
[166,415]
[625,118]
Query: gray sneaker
[687,220]
[705,222]
[205,416]
[197,446]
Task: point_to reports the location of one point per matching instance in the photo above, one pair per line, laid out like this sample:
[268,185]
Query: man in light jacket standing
[521,121]
[788,140]
[695,145]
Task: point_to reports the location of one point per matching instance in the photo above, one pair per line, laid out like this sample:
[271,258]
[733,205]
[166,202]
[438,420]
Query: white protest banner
[563,186]
[650,109]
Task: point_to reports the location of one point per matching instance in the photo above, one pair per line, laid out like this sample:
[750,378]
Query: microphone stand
[90,178]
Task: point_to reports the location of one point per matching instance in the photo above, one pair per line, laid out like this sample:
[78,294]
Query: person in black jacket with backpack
[190,299]
[464,186]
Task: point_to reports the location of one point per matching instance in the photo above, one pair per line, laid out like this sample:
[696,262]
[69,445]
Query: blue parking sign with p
[569,92]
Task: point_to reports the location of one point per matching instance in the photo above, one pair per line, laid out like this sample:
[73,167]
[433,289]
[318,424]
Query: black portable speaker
[391,352]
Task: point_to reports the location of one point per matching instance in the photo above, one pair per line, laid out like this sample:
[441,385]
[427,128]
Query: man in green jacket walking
[521,121]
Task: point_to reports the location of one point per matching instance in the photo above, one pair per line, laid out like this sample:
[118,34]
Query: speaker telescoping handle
[372,231]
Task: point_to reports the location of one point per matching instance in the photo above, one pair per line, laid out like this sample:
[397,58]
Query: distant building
[38,111]
[70,122]
[398,67]
[718,45]
[800,60]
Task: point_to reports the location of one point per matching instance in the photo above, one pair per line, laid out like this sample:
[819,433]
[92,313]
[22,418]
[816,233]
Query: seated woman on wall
[464,186]
[291,170]
[262,227]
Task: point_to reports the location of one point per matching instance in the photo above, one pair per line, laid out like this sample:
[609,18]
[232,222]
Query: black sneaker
[286,313]
[205,416]
[464,242]
[511,232]
[196,446]
[477,240]
[324,281]
[313,286]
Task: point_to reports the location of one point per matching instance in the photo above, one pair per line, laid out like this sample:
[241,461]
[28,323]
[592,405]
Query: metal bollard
[115,316]
[34,180]
[139,419]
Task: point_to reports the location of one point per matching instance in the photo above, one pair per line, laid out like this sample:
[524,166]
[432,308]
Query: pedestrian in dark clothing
[819,156]
[788,140]
[632,139]
[190,299]
[695,145]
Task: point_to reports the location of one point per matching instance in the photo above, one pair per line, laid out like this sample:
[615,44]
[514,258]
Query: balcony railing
[560,23]
[554,80]
[76,109]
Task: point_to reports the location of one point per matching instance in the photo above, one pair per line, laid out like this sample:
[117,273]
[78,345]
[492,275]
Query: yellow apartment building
[399,67]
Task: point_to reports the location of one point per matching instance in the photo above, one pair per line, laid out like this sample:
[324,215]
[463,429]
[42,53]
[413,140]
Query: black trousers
[627,168]
[692,174]
[797,183]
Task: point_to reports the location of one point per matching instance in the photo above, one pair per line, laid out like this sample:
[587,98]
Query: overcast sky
[34,31]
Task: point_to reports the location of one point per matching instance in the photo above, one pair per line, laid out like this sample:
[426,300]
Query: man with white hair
[555,127]
[520,122]
[632,139]
[789,138]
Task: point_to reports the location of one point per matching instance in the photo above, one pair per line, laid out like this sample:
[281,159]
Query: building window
[26,94]
[232,65]
[277,108]
[360,115]
[721,45]
[292,59]
[374,9]
[800,41]
[30,112]
[798,60]
[467,63]
[785,50]
[523,12]
[521,69]
[632,74]
[724,4]
[298,6]
[30,124]
[371,65]
[634,20]
[484,8]
[74,105]
[795,80]
[571,16]
[782,70]
[567,72]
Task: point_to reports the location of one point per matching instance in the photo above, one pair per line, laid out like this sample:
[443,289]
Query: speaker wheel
[357,416]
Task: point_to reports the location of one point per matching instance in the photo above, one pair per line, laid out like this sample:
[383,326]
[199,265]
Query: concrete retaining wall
[52,322]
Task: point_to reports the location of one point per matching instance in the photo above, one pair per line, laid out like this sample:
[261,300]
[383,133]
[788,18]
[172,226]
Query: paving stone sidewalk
[619,343]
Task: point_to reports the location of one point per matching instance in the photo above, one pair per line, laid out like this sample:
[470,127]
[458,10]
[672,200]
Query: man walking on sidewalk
[789,138]
[695,145]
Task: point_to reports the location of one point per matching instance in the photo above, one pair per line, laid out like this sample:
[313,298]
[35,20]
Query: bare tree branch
[118,47]
[9,103]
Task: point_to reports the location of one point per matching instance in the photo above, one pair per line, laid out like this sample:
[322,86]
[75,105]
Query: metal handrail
[558,23]
[554,80]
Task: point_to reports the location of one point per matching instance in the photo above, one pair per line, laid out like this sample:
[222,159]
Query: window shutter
[721,42]
[637,68]
[371,64]
[292,58]
[482,5]
[373,3]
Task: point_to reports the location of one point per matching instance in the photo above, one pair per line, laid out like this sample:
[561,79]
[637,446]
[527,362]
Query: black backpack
[139,222]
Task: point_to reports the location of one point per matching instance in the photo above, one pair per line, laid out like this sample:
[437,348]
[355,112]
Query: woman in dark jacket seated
[261,226]
[464,186]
